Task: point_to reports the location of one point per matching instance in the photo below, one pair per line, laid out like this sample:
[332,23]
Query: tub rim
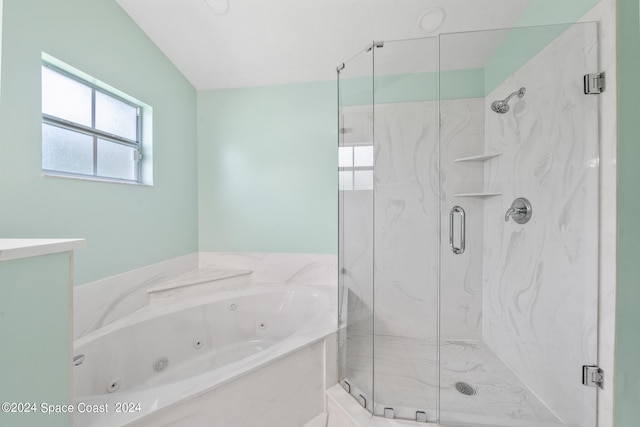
[164,396]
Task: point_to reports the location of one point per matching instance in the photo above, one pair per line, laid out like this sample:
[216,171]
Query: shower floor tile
[501,399]
[407,367]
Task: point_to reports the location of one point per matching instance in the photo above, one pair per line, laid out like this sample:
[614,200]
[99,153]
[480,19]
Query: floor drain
[465,388]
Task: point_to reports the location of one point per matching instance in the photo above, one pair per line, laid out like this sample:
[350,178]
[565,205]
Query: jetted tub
[166,354]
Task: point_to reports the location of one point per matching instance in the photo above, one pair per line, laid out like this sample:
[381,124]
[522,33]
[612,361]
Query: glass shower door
[406,229]
[519,227]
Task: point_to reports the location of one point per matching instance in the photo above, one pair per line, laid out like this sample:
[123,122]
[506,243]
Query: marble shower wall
[406,255]
[461,136]
[541,278]
[404,280]
[406,219]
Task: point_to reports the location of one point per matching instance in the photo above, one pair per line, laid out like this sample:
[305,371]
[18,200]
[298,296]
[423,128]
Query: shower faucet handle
[509,212]
[520,211]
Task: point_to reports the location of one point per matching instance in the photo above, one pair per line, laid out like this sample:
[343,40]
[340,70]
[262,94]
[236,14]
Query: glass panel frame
[355,281]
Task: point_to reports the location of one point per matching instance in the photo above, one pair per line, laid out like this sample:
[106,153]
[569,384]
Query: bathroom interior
[346,214]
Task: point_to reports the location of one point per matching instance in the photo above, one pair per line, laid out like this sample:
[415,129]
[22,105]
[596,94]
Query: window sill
[50,174]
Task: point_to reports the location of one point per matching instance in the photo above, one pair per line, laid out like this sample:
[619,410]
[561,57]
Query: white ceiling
[267,42]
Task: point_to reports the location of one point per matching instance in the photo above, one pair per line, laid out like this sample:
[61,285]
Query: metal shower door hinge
[592,376]
[594,83]
[375,43]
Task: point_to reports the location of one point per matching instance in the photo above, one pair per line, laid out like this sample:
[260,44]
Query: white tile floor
[406,378]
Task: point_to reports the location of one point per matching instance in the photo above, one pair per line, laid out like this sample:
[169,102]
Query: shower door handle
[457,249]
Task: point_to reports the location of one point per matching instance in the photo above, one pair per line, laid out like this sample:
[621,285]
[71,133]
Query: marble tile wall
[406,219]
[403,269]
[302,269]
[541,278]
[357,254]
[461,136]
[407,242]
[99,303]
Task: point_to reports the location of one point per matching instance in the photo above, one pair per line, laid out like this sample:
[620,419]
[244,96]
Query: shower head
[502,106]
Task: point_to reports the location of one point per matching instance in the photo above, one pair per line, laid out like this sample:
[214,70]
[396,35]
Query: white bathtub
[161,356]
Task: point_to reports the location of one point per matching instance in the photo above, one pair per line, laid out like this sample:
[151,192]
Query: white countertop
[11,249]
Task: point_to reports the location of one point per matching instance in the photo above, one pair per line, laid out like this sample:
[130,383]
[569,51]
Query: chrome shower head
[502,106]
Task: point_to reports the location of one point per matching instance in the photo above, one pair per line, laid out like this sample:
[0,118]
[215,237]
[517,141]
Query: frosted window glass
[345,180]
[363,156]
[66,151]
[65,98]
[345,157]
[116,117]
[363,180]
[116,161]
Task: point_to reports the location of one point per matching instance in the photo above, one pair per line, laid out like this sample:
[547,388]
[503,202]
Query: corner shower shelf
[480,158]
[477,194]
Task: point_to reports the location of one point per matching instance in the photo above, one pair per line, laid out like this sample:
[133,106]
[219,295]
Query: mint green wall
[35,324]
[126,226]
[519,46]
[267,159]
[544,17]
[267,169]
[544,12]
[627,381]
[412,87]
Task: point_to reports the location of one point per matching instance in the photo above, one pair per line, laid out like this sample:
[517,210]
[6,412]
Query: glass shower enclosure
[468,227]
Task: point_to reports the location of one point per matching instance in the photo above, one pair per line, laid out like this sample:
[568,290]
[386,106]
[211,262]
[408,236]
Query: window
[88,131]
[355,167]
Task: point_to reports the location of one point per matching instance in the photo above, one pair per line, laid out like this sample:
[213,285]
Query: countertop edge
[13,249]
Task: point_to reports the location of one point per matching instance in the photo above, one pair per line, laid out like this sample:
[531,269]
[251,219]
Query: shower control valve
[520,211]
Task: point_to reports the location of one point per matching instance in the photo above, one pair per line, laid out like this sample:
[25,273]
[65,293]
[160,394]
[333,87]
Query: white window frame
[142,176]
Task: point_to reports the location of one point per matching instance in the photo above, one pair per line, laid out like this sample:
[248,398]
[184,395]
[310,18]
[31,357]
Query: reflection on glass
[345,180]
[66,151]
[116,160]
[363,180]
[65,98]
[363,156]
[355,337]
[115,117]
[345,157]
